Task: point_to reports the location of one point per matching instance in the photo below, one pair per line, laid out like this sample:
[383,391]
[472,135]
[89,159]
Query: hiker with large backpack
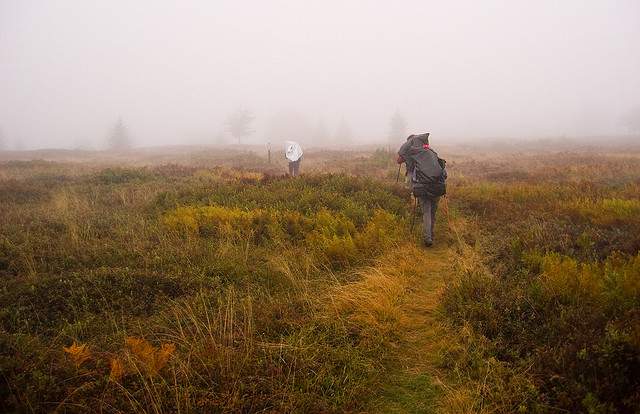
[427,179]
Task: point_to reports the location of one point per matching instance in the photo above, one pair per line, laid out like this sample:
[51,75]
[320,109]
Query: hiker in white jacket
[293,152]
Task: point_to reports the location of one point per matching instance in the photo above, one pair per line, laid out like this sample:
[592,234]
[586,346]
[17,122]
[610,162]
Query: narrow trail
[412,385]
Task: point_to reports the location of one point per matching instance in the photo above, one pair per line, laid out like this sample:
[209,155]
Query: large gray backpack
[426,168]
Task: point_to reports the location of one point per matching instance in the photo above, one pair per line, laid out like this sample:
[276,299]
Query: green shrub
[560,298]
[575,324]
[122,175]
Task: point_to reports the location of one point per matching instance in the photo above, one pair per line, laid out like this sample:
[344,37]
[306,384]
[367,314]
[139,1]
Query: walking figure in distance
[293,153]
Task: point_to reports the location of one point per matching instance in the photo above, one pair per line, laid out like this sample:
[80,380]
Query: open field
[551,288]
[194,281]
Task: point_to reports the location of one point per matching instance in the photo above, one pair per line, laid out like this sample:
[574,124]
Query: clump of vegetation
[554,285]
[229,288]
[186,289]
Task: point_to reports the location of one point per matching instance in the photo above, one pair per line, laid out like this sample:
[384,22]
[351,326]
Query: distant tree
[344,134]
[119,138]
[3,144]
[632,120]
[397,129]
[239,124]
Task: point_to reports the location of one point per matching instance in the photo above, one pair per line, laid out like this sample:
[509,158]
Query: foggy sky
[174,70]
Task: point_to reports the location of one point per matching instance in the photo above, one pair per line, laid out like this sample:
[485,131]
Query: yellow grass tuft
[78,353]
[152,359]
[117,370]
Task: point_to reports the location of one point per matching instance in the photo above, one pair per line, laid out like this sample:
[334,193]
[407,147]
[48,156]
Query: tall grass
[187,290]
[550,300]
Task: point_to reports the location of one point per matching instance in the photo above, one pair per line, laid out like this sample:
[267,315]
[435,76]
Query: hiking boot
[428,243]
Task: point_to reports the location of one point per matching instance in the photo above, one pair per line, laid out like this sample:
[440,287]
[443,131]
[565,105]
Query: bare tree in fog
[239,124]
[119,138]
[397,129]
[3,144]
[344,134]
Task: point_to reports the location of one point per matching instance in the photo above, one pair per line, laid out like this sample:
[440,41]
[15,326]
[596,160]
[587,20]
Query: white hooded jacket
[292,150]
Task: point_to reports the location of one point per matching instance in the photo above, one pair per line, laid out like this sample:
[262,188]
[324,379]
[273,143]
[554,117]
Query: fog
[175,71]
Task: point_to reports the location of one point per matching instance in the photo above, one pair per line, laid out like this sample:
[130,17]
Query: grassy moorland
[184,289]
[215,284]
[549,294]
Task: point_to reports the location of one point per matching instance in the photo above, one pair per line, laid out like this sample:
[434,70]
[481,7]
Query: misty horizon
[330,72]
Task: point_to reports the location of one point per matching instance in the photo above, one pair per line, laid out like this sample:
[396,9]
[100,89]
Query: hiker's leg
[290,168]
[434,208]
[298,167]
[425,205]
